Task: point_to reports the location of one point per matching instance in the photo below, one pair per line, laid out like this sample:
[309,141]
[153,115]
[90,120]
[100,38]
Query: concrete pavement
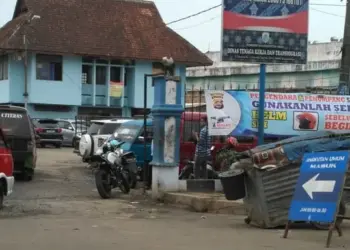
[61,209]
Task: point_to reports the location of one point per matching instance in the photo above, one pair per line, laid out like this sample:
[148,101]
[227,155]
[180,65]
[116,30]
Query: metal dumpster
[273,173]
[269,194]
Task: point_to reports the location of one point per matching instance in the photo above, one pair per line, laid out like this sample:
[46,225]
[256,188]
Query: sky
[203,31]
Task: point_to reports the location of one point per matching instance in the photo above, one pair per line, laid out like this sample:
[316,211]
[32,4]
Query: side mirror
[141,138]
[70,128]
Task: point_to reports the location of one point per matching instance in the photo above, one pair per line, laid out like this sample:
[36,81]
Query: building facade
[321,71]
[84,62]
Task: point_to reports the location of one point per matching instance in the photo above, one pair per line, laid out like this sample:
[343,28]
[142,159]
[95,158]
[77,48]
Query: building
[86,56]
[322,70]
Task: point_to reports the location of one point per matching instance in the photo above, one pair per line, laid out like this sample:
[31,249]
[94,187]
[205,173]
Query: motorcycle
[111,171]
[128,160]
[188,171]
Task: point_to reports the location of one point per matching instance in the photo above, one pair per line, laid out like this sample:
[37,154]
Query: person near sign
[203,152]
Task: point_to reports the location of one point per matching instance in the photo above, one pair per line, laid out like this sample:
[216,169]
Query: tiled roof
[112,28]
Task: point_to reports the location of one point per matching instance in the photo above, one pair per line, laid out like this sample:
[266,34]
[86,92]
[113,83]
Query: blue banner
[236,113]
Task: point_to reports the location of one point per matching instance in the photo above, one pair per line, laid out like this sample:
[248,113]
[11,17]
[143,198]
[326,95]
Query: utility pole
[25,59]
[344,80]
[25,64]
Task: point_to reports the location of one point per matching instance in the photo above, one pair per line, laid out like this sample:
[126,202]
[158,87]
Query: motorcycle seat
[128,153]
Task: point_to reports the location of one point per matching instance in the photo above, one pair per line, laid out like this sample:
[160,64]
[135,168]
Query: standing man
[203,152]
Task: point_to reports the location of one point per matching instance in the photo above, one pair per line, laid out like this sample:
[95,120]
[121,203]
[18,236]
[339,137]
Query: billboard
[290,114]
[265,31]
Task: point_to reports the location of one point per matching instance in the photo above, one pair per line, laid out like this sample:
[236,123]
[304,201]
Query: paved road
[61,209]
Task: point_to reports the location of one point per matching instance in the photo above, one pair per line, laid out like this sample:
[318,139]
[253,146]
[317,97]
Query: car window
[128,133]
[80,126]
[15,123]
[48,124]
[64,124]
[149,134]
[94,128]
[109,128]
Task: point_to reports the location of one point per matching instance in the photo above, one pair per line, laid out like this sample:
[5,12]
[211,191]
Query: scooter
[188,171]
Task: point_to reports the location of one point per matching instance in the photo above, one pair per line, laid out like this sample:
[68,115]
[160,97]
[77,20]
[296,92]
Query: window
[115,74]
[52,108]
[86,77]
[49,67]
[15,123]
[3,67]
[128,76]
[48,123]
[109,128]
[88,59]
[117,62]
[65,125]
[101,75]
[128,133]
[101,61]
[149,134]
[94,128]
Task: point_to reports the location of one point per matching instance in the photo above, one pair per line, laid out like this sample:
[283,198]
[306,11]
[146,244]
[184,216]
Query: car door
[67,132]
[70,132]
[6,161]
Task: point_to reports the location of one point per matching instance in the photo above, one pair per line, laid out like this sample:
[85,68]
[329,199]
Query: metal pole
[145,163]
[25,60]
[261,111]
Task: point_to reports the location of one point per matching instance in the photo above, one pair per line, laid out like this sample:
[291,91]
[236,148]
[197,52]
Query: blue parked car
[132,133]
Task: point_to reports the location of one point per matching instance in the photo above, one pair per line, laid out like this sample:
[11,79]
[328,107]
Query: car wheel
[42,145]
[58,145]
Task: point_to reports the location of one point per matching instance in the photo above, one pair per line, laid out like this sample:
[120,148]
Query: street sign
[319,186]
[265,31]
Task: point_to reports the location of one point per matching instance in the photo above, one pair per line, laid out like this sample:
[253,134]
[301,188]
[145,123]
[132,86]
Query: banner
[236,113]
[265,31]
[116,89]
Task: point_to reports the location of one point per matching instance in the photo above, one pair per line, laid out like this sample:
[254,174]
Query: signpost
[264,32]
[319,188]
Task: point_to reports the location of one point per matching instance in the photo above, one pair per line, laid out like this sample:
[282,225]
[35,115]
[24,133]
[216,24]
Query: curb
[200,185]
[205,203]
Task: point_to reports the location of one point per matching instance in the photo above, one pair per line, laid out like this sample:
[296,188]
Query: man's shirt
[204,143]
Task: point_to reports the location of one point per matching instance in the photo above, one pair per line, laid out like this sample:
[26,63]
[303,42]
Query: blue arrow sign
[319,186]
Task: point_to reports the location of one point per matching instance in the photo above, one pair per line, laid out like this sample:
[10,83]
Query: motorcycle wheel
[102,184]
[132,177]
[325,226]
[124,185]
